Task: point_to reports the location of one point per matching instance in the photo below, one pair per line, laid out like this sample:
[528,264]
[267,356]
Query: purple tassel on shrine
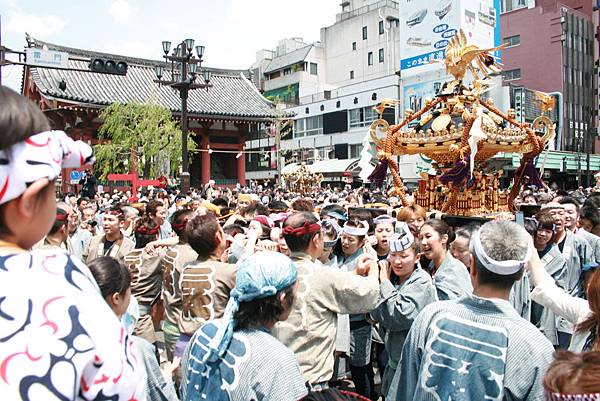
[457,174]
[378,175]
[534,176]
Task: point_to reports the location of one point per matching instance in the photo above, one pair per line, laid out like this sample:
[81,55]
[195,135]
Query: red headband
[180,226]
[117,213]
[307,228]
[62,216]
[143,230]
[264,220]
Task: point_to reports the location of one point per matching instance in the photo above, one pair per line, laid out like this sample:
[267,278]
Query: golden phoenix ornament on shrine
[460,130]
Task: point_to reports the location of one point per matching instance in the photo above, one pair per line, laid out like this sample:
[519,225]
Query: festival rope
[388,147]
[532,138]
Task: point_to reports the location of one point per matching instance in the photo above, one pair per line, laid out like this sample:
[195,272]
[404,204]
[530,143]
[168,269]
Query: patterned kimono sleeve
[397,309]
[406,378]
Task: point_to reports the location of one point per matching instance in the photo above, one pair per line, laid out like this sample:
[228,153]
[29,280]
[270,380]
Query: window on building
[370,58]
[355,150]
[512,41]
[364,33]
[313,68]
[361,117]
[353,45]
[287,71]
[510,5]
[275,74]
[381,30]
[308,126]
[381,55]
[511,75]
[324,153]
[351,74]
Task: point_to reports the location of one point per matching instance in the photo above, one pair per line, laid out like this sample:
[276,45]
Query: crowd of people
[264,294]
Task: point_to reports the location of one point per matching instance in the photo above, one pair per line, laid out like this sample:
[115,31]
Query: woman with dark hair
[405,290]
[459,248]
[114,281]
[59,338]
[236,357]
[384,229]
[584,315]
[573,376]
[450,276]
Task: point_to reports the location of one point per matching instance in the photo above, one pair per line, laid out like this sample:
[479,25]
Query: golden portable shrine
[303,180]
[460,130]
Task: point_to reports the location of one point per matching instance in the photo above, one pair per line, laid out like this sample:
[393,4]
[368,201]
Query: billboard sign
[426,27]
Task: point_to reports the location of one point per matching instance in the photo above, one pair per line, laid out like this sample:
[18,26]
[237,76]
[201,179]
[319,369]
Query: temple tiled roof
[232,94]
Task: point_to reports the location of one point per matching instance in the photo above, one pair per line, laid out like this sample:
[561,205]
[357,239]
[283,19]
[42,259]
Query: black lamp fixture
[184,69]
[158,70]
[166,47]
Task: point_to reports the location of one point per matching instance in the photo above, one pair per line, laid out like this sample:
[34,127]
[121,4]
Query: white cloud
[41,26]
[271,20]
[120,11]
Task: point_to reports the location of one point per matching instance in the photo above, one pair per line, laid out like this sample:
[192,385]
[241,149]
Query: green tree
[138,136]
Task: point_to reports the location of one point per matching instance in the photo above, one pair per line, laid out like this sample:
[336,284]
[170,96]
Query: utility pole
[278,152]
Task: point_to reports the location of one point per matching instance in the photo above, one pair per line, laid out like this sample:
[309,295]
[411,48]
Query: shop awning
[553,160]
[331,168]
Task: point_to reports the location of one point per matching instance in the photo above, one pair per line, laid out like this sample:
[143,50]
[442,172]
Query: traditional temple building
[220,118]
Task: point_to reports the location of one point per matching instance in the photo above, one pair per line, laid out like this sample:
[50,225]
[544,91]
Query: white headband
[384,219]
[402,240]
[39,156]
[504,267]
[358,231]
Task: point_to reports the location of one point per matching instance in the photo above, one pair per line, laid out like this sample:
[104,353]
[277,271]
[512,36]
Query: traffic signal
[108,66]
[519,96]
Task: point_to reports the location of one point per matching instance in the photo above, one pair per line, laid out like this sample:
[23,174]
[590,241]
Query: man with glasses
[323,292]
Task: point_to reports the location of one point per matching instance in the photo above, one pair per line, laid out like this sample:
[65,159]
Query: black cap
[461,221]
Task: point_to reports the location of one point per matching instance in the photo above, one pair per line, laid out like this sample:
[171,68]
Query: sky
[232,31]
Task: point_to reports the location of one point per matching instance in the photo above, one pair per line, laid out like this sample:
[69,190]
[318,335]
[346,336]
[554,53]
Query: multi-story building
[551,49]
[331,87]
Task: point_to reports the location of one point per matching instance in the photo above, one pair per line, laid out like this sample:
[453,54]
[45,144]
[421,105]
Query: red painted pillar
[241,167]
[205,169]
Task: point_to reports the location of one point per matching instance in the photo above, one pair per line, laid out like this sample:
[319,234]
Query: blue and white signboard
[75,176]
[46,58]
[426,27]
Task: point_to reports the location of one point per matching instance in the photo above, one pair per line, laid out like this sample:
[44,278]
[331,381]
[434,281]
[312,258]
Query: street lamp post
[184,70]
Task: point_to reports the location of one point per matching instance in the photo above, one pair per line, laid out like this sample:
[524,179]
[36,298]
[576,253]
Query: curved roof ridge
[129,59]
